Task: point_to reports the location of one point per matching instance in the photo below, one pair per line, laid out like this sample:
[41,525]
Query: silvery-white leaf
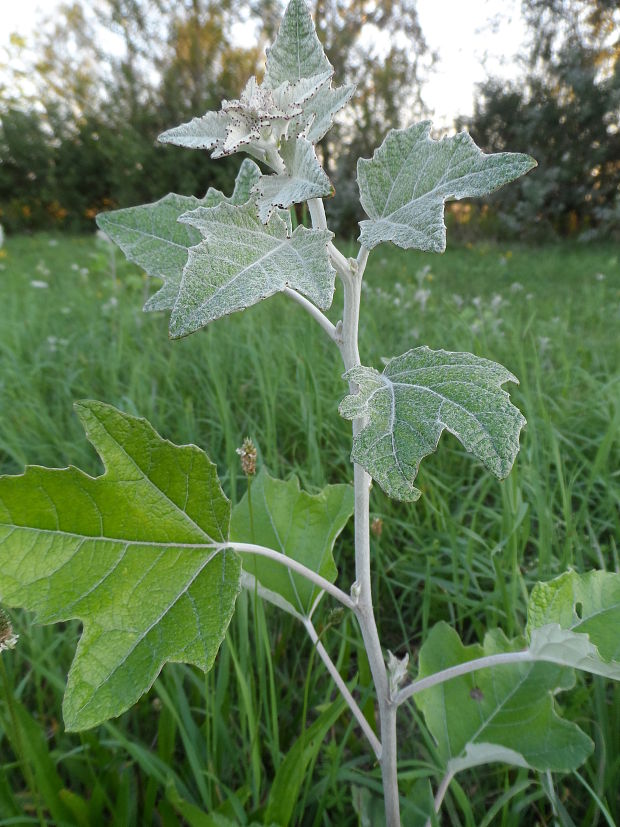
[321,110]
[247,177]
[418,395]
[293,96]
[297,51]
[242,261]
[304,179]
[405,185]
[205,132]
[151,236]
[297,54]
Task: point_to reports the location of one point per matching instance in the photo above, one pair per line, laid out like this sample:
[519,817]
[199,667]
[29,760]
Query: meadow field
[71,327]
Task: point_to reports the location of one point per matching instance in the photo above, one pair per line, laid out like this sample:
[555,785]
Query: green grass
[468,551]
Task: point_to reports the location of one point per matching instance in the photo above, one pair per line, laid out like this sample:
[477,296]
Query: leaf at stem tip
[297,53]
[302,526]
[505,713]
[242,261]
[406,183]
[418,395]
[304,179]
[151,236]
[129,553]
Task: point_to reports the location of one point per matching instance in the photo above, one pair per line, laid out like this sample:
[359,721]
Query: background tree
[566,113]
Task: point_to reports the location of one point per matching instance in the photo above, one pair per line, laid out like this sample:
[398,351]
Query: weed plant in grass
[470,548]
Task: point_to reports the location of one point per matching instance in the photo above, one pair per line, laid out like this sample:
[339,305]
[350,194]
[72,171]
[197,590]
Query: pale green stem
[344,690]
[351,272]
[293,565]
[316,314]
[462,669]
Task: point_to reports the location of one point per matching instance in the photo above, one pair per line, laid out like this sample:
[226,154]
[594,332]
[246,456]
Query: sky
[468,46]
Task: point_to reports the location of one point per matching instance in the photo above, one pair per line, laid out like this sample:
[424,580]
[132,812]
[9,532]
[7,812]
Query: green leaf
[297,53]
[304,179]
[129,553]
[404,186]
[587,603]
[242,261]
[418,395]
[151,235]
[291,773]
[505,713]
[575,620]
[302,526]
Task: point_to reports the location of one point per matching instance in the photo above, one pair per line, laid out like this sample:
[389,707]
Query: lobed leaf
[297,53]
[304,179]
[416,397]
[151,235]
[302,526]
[404,186]
[505,713]
[242,261]
[129,553]
[575,620]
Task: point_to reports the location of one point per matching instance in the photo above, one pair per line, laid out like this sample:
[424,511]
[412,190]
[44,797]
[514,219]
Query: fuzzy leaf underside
[248,176]
[404,186]
[302,526]
[129,553]
[418,395]
[242,261]
[151,236]
[304,179]
[505,713]
[298,53]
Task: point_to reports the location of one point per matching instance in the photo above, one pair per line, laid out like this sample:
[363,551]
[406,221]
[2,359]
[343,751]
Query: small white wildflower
[543,344]
[496,302]
[422,296]
[65,311]
[422,274]
[42,269]
[53,242]
[477,302]
[458,300]
[529,297]
[84,271]
[600,276]
[75,267]
[40,285]
[516,287]
[1,235]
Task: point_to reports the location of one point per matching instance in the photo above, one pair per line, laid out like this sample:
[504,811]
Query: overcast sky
[458,30]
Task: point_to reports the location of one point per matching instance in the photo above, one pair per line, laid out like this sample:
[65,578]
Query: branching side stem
[462,669]
[375,743]
[293,565]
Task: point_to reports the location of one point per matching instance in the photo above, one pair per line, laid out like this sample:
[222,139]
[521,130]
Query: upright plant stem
[363,582]
[351,272]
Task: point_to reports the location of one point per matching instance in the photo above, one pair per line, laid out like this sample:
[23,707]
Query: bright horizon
[468,49]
